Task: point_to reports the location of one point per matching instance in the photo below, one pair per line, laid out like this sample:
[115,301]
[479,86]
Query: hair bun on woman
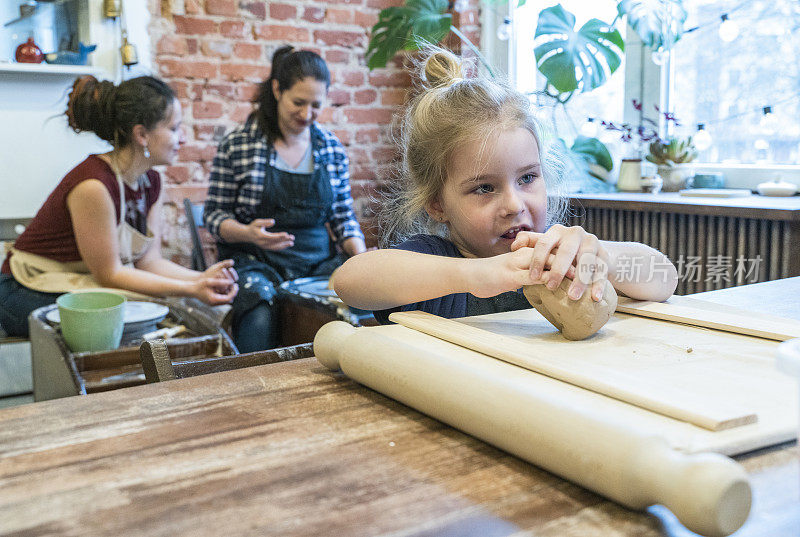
[90,107]
[441,68]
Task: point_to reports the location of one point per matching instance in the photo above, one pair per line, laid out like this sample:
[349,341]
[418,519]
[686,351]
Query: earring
[146,151]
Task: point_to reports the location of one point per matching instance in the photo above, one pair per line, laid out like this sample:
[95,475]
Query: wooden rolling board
[697,312]
[701,409]
[729,368]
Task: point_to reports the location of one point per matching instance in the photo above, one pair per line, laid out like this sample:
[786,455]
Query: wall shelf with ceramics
[48,69]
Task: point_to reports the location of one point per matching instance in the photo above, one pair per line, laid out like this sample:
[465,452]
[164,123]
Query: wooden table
[292,449]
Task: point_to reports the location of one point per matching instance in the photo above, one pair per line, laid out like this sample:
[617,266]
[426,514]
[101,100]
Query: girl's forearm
[640,272]
[382,279]
[354,246]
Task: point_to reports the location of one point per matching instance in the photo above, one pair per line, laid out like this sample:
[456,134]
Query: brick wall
[216,52]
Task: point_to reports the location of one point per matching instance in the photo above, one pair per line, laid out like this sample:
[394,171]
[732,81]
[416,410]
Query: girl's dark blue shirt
[457,304]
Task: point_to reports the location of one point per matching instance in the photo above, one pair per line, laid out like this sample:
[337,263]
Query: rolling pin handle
[708,492]
[329,342]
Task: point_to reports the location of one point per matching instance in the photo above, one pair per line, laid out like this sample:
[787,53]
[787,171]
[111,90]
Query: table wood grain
[291,449]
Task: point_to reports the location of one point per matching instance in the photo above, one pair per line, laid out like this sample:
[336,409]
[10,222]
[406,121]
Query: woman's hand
[214,291]
[257,234]
[490,276]
[564,248]
[223,269]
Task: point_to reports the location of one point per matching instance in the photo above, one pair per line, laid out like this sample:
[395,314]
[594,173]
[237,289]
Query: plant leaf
[575,60]
[592,151]
[407,28]
[659,23]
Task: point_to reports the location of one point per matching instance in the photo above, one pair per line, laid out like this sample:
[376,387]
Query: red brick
[241,112]
[351,78]
[338,97]
[351,2]
[362,173]
[365,19]
[383,4]
[206,110]
[393,96]
[257,9]
[337,56]
[226,8]
[172,44]
[282,12]
[384,78]
[326,116]
[339,15]
[231,28]
[192,7]
[342,135]
[217,49]
[247,51]
[366,96]
[381,116]
[247,91]
[209,133]
[340,38]
[188,69]
[181,88]
[242,71]
[358,155]
[275,32]
[192,45]
[194,25]
[190,153]
[366,136]
[314,14]
[196,193]
[219,89]
[385,154]
[177,174]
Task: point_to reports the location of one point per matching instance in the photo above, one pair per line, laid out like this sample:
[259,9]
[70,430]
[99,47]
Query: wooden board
[536,355]
[700,365]
[699,313]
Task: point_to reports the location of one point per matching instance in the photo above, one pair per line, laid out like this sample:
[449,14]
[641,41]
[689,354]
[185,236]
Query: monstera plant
[572,60]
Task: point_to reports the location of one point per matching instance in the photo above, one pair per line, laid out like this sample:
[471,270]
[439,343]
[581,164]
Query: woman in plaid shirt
[278,183]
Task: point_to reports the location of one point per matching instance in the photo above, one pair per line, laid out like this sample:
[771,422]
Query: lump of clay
[576,319]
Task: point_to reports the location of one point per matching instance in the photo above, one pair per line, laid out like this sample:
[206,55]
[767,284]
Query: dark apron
[300,204]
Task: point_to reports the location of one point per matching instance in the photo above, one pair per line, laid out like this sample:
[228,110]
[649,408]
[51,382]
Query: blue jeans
[16,304]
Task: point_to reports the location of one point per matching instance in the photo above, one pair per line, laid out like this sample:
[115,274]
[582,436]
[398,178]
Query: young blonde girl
[473,216]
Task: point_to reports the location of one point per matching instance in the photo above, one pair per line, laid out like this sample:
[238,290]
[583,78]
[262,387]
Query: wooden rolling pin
[495,401]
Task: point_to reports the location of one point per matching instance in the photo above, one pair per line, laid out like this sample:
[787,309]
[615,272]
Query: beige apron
[49,276]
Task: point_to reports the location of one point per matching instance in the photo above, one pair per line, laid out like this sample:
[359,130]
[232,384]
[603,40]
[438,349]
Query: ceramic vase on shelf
[675,177]
[28,52]
[630,175]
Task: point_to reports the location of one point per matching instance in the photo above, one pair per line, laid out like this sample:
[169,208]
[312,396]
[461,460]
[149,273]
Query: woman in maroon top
[100,226]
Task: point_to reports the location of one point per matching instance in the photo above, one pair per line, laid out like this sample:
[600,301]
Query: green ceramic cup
[91,320]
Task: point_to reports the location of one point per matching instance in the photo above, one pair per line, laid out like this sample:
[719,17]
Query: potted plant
[672,156]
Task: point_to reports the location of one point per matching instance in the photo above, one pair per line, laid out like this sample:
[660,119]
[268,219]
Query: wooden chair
[158,366]
[194,218]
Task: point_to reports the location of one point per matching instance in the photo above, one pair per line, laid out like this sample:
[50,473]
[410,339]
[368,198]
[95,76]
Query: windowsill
[48,69]
[754,206]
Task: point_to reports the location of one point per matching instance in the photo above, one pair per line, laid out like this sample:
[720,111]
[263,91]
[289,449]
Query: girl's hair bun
[442,68]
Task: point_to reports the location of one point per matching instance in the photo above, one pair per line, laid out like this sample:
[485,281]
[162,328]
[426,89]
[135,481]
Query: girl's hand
[257,234]
[214,291]
[490,276]
[565,247]
[223,269]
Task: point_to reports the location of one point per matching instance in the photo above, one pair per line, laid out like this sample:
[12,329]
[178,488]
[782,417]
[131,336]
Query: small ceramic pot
[28,52]
[674,177]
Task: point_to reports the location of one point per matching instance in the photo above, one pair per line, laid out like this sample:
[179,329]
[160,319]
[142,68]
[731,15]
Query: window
[605,102]
[725,76]
[724,84]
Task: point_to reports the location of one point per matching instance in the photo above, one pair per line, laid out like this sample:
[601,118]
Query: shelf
[48,69]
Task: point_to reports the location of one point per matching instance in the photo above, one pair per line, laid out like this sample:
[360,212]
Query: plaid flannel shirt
[239,169]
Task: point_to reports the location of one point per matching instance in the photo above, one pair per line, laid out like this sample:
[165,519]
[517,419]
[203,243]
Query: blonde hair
[452,110]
